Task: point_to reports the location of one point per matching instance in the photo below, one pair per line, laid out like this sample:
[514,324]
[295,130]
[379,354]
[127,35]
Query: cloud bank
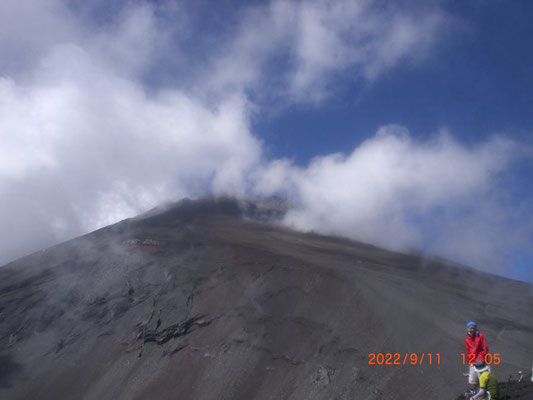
[318,42]
[437,195]
[103,118]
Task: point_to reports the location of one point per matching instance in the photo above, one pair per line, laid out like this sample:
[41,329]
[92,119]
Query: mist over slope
[202,300]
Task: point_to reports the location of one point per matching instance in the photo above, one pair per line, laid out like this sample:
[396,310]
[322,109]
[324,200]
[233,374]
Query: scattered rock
[176,349]
[172,331]
[98,301]
[150,242]
[322,376]
[132,242]
[142,242]
[12,340]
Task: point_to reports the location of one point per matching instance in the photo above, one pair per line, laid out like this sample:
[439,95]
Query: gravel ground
[197,302]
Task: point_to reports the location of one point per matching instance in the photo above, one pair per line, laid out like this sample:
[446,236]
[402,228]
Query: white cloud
[83,147]
[405,194]
[85,140]
[320,42]
[29,30]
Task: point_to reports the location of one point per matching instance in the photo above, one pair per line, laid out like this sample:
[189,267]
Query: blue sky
[476,83]
[404,125]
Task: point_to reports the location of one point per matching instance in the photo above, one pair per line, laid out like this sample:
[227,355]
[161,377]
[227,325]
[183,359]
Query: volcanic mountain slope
[198,302]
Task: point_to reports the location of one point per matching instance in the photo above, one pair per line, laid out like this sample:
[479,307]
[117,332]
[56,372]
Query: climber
[488,385]
[475,349]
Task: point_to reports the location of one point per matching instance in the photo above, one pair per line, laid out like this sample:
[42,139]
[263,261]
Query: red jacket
[476,345]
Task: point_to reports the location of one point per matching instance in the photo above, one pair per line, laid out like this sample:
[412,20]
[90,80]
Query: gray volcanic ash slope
[197,302]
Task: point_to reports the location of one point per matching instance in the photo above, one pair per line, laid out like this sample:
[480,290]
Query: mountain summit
[204,300]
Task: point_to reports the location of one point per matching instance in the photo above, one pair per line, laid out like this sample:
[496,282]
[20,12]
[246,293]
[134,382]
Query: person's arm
[480,393]
[484,349]
[468,350]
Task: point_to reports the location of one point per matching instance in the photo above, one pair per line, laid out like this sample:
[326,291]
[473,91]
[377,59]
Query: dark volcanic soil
[197,302]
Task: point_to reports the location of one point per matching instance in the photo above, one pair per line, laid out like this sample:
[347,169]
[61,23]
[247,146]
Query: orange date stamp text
[403,359]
